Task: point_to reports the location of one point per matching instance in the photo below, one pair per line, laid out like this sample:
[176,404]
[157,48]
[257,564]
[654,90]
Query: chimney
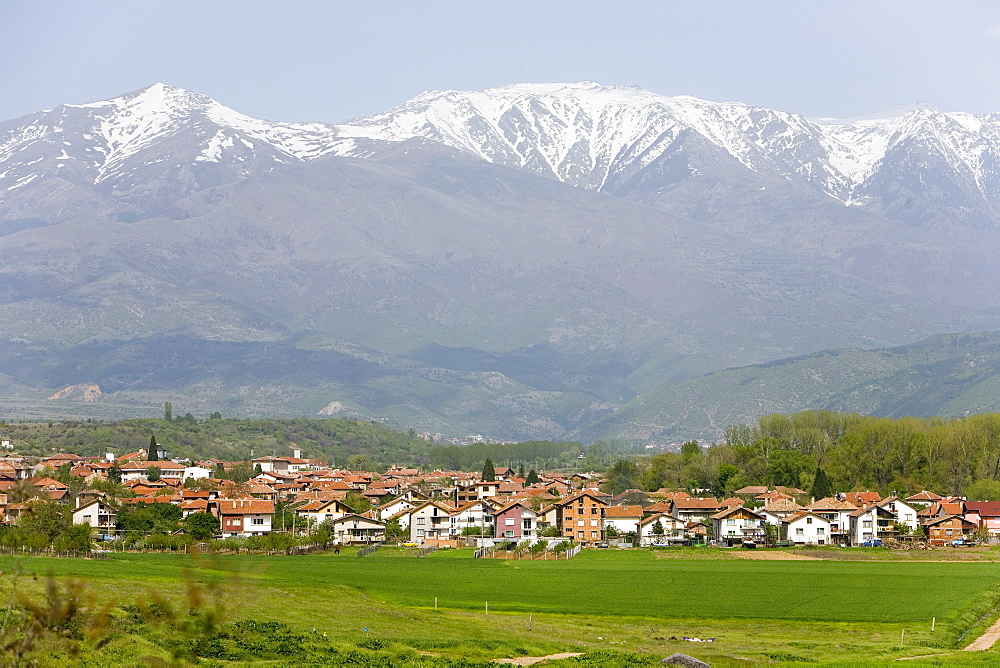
[297,453]
[109,457]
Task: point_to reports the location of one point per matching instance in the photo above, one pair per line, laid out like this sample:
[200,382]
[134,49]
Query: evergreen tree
[532,478]
[151,455]
[115,474]
[168,411]
[489,473]
[821,485]
[520,470]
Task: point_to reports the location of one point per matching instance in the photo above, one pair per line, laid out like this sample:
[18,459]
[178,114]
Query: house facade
[806,528]
[243,517]
[943,530]
[515,521]
[581,517]
[735,525]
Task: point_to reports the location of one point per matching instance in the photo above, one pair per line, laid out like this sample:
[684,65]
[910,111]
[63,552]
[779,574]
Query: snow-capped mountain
[601,137]
[154,145]
[535,253]
[914,164]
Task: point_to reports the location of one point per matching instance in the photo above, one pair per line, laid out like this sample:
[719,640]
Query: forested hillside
[354,444]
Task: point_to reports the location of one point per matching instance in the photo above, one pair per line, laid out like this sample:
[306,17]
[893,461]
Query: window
[527,524]
[820,531]
[730,522]
[581,523]
[809,520]
[258,521]
[581,511]
[947,532]
[799,531]
[420,533]
[581,534]
[593,534]
[420,520]
[867,524]
[909,517]
[509,533]
[593,523]
[509,521]
[593,511]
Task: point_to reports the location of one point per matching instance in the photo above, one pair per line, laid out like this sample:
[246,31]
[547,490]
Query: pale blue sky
[331,61]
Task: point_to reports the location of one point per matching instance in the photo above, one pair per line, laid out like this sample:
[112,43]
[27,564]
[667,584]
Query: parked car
[872,542]
[749,544]
[962,542]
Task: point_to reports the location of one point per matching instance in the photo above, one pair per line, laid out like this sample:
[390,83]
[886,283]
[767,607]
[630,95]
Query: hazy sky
[331,61]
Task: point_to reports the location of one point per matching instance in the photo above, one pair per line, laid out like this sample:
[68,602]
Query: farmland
[628,603]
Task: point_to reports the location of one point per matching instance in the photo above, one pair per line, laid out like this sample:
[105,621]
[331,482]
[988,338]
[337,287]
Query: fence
[573,551]
[365,551]
[483,551]
[423,552]
[48,552]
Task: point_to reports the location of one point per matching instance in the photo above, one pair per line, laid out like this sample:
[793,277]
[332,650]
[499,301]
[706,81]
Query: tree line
[840,451]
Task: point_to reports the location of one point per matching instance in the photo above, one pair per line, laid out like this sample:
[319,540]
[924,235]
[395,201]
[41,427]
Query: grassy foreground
[617,607]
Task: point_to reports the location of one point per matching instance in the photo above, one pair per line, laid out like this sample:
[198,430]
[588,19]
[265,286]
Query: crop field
[627,602]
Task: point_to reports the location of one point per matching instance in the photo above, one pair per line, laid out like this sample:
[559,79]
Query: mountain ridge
[531,257]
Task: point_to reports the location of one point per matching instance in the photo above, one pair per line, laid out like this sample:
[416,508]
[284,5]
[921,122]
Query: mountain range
[520,262]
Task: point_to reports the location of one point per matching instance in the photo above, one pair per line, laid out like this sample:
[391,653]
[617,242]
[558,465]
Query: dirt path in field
[775,556]
[532,660]
[986,640]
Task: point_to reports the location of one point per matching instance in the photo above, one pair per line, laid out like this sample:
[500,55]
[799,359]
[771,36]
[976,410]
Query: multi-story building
[581,517]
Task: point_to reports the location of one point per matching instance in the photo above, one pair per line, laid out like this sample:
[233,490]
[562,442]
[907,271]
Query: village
[481,509]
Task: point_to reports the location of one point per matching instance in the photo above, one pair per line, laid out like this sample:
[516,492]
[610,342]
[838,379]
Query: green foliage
[201,526]
[357,502]
[333,440]
[983,490]
[621,476]
[153,473]
[149,518]
[45,518]
[489,472]
[453,457]
[532,478]
[151,455]
[821,488]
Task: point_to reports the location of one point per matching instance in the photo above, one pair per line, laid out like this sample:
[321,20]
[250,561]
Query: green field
[628,602]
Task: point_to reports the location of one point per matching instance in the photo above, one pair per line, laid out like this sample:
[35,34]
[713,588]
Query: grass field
[632,602]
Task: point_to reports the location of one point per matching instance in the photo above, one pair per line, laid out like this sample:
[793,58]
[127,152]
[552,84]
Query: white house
[197,472]
[478,514]
[673,530]
[430,521]
[97,514]
[839,514]
[806,528]
[358,529]
[904,512]
[135,470]
[323,510]
[394,507]
[734,525]
[624,519]
[871,522]
[243,517]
